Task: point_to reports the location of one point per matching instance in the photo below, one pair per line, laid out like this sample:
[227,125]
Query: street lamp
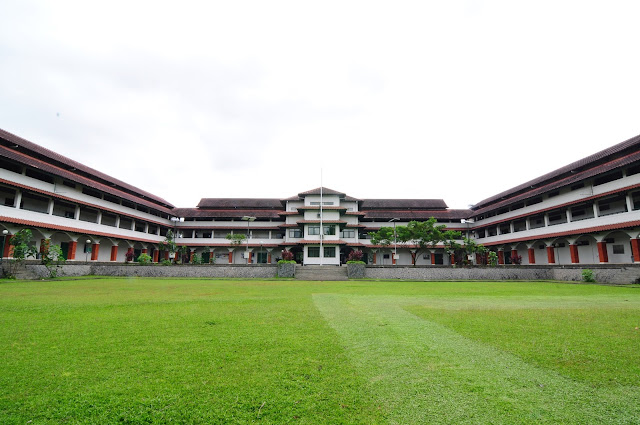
[5,232]
[395,241]
[87,250]
[248,219]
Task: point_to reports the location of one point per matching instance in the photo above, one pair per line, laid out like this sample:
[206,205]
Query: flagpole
[321,228]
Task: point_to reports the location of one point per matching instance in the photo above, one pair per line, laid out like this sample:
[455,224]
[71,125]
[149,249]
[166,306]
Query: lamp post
[395,241]
[248,219]
[87,250]
[5,232]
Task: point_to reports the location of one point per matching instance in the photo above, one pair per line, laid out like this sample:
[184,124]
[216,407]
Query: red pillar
[532,255]
[191,256]
[393,259]
[478,259]
[551,258]
[250,257]
[453,259]
[71,254]
[635,248]
[230,257]
[514,253]
[374,258]
[95,248]
[575,258]
[500,257]
[7,246]
[156,253]
[269,258]
[433,258]
[144,251]
[166,255]
[114,253]
[602,252]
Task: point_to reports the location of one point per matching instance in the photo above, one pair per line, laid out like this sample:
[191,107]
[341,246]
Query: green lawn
[231,351]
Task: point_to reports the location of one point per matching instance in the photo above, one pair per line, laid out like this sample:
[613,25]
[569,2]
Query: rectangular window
[618,249]
[577,186]
[330,251]
[554,193]
[295,233]
[348,233]
[608,178]
[313,230]
[39,175]
[329,230]
[313,251]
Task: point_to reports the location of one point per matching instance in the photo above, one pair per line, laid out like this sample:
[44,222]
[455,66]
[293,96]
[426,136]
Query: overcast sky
[454,100]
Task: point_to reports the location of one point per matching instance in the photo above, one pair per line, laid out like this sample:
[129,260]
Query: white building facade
[587,212]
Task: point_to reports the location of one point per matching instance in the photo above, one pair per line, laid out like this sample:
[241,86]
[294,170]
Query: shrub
[587,275]
[165,262]
[128,257]
[355,262]
[197,259]
[516,259]
[286,262]
[144,259]
[52,258]
[492,258]
[287,255]
[354,256]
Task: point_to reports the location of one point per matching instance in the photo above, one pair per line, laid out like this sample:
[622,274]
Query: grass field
[228,351]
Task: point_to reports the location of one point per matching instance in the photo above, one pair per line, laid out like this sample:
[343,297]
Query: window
[329,230]
[314,252]
[91,192]
[534,201]
[313,230]
[39,175]
[69,184]
[617,249]
[277,235]
[607,178]
[295,233]
[11,166]
[330,251]
[554,193]
[348,233]
[577,186]
[316,203]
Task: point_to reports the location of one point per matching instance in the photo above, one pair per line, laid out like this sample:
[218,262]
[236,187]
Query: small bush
[492,258]
[516,259]
[286,262]
[587,275]
[144,259]
[355,262]
[129,256]
[197,259]
[165,262]
[287,255]
[355,255]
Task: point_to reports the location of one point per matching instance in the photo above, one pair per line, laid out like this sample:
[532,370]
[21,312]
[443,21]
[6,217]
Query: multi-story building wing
[586,212]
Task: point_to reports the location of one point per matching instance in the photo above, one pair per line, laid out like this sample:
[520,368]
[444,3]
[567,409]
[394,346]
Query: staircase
[321,273]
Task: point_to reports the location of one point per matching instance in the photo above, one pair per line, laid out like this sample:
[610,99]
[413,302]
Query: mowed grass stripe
[423,372]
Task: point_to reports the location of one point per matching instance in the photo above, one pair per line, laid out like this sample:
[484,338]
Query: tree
[53,258]
[169,243]
[417,235]
[21,250]
[449,239]
[236,238]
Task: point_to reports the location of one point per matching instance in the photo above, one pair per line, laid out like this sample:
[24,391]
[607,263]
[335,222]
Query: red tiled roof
[323,221]
[55,170]
[400,204]
[242,203]
[355,213]
[289,213]
[325,191]
[286,226]
[586,230]
[197,212]
[593,163]
[324,242]
[69,163]
[317,207]
[31,223]
[417,214]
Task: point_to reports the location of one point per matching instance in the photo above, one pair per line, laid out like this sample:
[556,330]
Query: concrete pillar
[528,223]
[629,202]
[269,258]
[166,255]
[452,258]
[596,213]
[18,200]
[77,213]
[433,258]
[500,257]
[393,259]
[71,254]
[230,256]
[375,254]
[50,207]
[569,215]
[551,257]
[7,247]
[156,254]
[602,252]
[114,253]
[532,255]
[95,248]
[514,253]
[575,258]
[191,254]
[635,249]
[144,251]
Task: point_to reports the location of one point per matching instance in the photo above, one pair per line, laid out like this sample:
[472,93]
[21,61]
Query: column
[250,259]
[500,256]
[551,257]
[635,249]
[18,200]
[114,253]
[77,213]
[269,257]
[156,254]
[230,255]
[144,251]
[433,258]
[596,213]
[50,207]
[7,247]
[532,255]
[575,258]
[212,256]
[629,202]
[375,253]
[191,254]
[528,223]
[569,215]
[453,259]
[393,259]
[71,254]
[514,254]
[166,255]
[602,252]
[95,248]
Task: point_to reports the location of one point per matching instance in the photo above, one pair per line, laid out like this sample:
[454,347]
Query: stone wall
[610,274]
[33,270]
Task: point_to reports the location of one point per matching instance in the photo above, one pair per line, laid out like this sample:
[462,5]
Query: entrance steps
[321,273]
